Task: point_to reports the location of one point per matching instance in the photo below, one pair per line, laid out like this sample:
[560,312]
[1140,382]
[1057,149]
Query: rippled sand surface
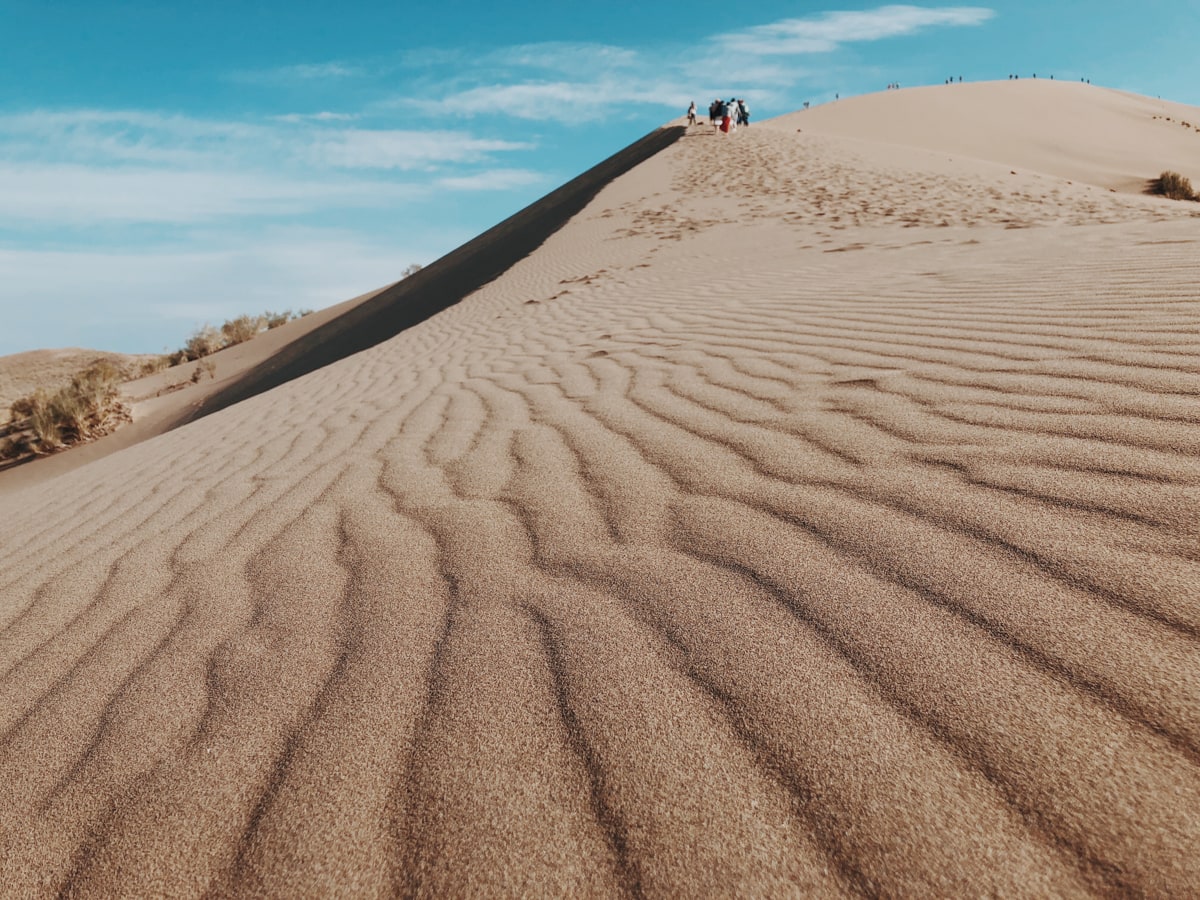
[807,516]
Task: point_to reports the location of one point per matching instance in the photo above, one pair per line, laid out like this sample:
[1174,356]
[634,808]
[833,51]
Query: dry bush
[87,407]
[208,340]
[204,342]
[412,269]
[204,367]
[241,329]
[157,364]
[1173,186]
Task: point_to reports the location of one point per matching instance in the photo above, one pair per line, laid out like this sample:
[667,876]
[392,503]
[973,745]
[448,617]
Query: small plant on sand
[204,342]
[152,365]
[204,367]
[241,329]
[1173,186]
[85,408]
[208,340]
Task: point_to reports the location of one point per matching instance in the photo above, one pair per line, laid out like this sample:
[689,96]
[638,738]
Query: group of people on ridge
[725,115]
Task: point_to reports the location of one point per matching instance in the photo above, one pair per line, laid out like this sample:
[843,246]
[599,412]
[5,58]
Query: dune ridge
[743,539]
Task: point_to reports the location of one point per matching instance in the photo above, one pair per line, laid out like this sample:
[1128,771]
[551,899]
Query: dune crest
[802,517]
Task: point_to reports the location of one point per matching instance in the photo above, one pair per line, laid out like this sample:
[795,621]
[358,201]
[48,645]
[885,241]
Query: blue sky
[165,164]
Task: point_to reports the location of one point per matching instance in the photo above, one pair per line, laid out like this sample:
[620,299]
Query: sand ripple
[718,565]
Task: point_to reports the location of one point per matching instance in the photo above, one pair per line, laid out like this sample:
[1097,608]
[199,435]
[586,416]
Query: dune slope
[801,518]
[1069,130]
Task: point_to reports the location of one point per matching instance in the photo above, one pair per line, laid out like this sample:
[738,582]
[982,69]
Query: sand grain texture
[807,516]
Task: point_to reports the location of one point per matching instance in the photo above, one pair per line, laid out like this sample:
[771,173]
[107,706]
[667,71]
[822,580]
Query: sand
[814,513]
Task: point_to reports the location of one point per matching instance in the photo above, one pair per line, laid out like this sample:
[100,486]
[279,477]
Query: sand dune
[808,515]
[1070,130]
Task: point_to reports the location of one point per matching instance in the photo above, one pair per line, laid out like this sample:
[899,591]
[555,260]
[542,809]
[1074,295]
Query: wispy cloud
[580,82]
[393,149]
[559,100]
[324,116]
[491,180]
[74,195]
[80,166]
[824,33]
[299,73]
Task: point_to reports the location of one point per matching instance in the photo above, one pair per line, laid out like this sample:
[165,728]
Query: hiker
[692,114]
[743,113]
[714,113]
[726,117]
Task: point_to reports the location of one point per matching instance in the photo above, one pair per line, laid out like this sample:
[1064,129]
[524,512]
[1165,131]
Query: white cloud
[303,72]
[72,195]
[79,166]
[381,149]
[295,118]
[491,180]
[827,32]
[99,137]
[529,100]
[565,56]
[579,82]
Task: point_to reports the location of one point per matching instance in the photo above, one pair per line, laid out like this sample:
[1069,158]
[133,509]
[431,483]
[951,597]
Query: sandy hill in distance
[815,512]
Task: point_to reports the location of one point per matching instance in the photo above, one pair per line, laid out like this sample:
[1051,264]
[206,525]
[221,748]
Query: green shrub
[1173,186]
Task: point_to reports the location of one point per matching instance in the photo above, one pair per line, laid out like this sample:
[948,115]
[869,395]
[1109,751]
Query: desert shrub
[155,364]
[208,340]
[42,421]
[204,342]
[204,367]
[1173,186]
[241,329]
[88,406]
[412,269]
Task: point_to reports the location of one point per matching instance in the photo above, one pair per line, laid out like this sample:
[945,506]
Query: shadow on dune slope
[439,285]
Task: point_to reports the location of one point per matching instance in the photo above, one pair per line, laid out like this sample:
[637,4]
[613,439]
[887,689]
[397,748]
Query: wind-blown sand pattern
[805,517]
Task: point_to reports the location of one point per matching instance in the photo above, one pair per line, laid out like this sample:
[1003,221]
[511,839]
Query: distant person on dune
[723,116]
[714,113]
[692,114]
[743,113]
